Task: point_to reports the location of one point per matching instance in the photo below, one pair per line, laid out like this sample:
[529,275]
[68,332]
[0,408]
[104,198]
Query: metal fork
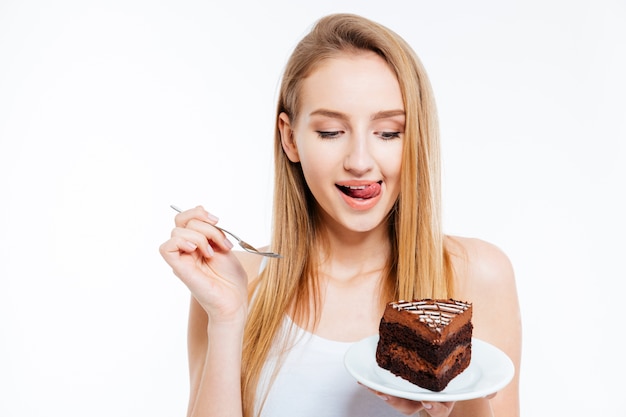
[245,245]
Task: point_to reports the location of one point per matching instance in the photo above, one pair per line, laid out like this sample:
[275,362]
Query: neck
[351,255]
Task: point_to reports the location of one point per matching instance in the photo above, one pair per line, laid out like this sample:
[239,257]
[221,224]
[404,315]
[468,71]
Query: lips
[361,191]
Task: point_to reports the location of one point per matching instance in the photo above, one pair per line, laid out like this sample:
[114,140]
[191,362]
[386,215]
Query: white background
[112,110]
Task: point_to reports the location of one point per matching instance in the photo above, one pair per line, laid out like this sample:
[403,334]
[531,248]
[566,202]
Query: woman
[357,220]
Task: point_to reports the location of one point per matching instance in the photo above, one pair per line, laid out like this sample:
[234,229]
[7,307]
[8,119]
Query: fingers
[409,407]
[437,409]
[406,407]
[198,212]
[189,253]
[185,241]
[196,226]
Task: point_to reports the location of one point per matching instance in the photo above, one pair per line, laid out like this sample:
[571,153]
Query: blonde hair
[418,265]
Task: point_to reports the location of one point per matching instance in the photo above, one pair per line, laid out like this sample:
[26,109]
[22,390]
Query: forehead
[352,81]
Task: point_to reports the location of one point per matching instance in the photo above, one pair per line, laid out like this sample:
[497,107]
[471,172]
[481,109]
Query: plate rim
[507,371]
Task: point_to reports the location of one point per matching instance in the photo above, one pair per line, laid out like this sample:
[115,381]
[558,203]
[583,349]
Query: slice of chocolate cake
[427,342]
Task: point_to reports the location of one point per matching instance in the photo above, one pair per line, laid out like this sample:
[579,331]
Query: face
[348,139]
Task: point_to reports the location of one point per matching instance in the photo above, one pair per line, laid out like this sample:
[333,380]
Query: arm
[214,368]
[200,256]
[485,277]
[201,380]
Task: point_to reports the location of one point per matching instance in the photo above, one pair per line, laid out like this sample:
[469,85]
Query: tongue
[370,191]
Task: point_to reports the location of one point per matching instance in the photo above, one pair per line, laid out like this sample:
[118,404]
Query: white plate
[489,371]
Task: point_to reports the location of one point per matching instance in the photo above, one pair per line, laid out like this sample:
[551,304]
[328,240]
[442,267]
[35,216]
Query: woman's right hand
[201,256]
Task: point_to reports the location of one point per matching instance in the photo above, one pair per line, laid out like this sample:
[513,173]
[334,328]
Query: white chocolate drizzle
[435,314]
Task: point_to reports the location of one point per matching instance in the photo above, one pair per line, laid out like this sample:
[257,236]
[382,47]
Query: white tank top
[313,382]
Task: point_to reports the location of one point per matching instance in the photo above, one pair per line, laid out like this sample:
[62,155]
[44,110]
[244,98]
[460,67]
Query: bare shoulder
[479,266]
[484,275]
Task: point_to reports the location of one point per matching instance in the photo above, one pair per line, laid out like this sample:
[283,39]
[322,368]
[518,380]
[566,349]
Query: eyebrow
[386,114]
[329,113]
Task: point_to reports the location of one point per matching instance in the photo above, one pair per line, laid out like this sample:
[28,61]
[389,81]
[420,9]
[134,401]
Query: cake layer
[406,364]
[433,319]
[434,351]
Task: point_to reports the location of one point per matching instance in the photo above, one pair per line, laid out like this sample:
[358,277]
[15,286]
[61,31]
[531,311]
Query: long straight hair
[418,266]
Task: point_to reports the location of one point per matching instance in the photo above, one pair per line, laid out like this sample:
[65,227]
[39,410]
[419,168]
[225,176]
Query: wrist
[235,317]
[225,327]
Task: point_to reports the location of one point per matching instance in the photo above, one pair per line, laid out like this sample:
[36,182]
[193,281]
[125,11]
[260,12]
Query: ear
[286,138]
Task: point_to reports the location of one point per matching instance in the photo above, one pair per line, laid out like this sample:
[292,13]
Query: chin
[366,226]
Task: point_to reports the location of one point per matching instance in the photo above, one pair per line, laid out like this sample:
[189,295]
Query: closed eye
[328,134]
[389,135]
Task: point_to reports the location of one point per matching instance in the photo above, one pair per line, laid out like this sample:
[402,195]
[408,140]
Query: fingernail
[211,217]
[191,245]
[210,250]
[228,243]
[383,397]
[427,406]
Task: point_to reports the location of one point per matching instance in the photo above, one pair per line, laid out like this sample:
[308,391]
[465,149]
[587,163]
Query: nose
[358,159]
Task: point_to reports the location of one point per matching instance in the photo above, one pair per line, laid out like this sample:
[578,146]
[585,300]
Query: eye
[388,135]
[328,134]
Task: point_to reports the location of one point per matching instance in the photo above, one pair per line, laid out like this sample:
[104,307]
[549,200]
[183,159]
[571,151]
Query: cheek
[315,166]
[391,162]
